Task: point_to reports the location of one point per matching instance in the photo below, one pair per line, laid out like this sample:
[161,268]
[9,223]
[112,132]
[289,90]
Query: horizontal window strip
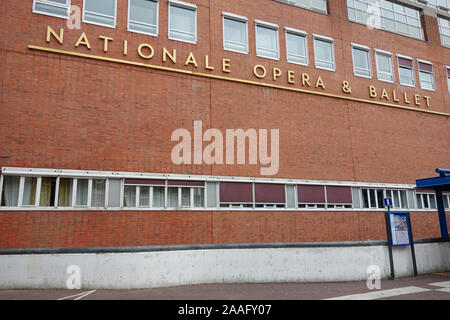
[270,193]
[154,182]
[311,194]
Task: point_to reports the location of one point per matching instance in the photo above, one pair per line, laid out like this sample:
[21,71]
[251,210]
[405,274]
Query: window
[236,194]
[426,201]
[447,70]
[372,198]
[82,187]
[443,5]
[144,193]
[426,75]
[446,199]
[65,192]
[406,71]
[385,69]
[296,46]
[98,192]
[267,45]
[29,191]
[10,193]
[269,195]
[324,53]
[361,61]
[187,197]
[444,31]
[182,21]
[399,199]
[114,188]
[386,15]
[57,8]
[311,196]
[48,189]
[315,5]
[339,197]
[100,12]
[129,196]
[235,33]
[143,16]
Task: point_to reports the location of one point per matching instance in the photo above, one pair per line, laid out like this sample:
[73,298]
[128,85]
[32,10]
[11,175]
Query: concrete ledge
[230,264]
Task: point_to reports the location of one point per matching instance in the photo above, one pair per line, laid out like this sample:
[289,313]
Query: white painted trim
[321,37]
[34,10]
[237,18]
[360,46]
[369,60]
[21,187]
[140,175]
[83,19]
[386,54]
[424,61]
[259,23]
[183,5]
[297,31]
[331,41]
[142,32]
[234,16]
[404,57]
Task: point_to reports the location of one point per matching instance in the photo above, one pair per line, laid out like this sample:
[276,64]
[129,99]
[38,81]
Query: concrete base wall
[185,267]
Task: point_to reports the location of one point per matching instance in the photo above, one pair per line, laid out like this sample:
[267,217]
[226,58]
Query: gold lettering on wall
[51,32]
[83,40]
[283,79]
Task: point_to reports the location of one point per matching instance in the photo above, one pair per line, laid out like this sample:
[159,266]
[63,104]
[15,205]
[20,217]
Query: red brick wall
[74,113]
[71,229]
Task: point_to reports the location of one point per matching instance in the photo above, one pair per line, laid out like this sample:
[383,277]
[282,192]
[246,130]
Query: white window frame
[188,6]
[268,25]
[50,3]
[238,18]
[129,29]
[412,68]
[441,32]
[369,198]
[369,58]
[432,74]
[300,33]
[389,55]
[326,39]
[428,195]
[83,19]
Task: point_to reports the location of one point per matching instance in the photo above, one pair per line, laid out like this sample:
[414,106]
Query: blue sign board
[400,228]
[388,202]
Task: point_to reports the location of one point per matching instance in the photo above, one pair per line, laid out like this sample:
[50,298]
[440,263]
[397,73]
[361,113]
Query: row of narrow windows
[143,15]
[93,192]
[143,18]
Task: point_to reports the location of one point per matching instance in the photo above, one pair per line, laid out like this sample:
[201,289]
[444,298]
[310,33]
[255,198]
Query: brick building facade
[88,112]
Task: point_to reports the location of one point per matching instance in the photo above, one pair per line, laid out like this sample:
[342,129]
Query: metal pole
[413,251]
[388,232]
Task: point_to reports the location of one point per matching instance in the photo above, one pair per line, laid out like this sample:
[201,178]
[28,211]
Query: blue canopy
[438,184]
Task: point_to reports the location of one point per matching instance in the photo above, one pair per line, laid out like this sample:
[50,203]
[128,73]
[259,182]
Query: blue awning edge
[438,184]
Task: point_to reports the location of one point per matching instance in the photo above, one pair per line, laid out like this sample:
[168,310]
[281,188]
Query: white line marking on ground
[447,290]
[78,295]
[381,294]
[444,284]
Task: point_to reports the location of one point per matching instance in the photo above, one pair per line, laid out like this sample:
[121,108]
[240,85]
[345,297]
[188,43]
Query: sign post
[399,233]
[388,204]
